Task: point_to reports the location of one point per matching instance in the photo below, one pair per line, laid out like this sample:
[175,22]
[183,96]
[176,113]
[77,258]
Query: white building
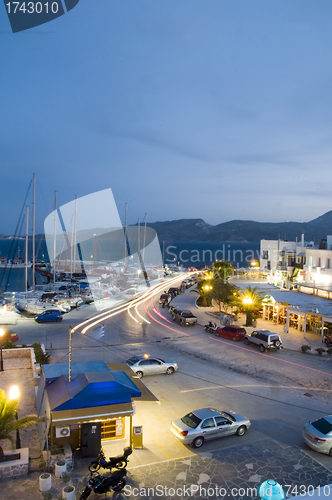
[284,260]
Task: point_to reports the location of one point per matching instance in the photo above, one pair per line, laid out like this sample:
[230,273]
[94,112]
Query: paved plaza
[235,473]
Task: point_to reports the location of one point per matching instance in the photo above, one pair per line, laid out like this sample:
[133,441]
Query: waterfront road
[279,392]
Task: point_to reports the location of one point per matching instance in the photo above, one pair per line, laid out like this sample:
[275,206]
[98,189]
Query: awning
[81,415]
[301,254]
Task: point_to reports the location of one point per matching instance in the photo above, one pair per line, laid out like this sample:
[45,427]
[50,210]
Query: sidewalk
[292,340]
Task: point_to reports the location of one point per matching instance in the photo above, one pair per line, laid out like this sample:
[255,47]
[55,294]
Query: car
[233,332]
[318,435]
[174,291]
[264,339]
[173,309]
[131,294]
[48,316]
[146,365]
[165,298]
[184,317]
[7,335]
[208,423]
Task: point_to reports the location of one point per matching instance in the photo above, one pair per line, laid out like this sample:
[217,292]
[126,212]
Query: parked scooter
[115,481]
[328,341]
[119,462]
[210,327]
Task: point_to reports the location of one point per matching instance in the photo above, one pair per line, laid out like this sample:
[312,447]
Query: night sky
[212,109]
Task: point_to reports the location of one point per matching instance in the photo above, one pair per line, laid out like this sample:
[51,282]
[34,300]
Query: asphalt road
[279,392]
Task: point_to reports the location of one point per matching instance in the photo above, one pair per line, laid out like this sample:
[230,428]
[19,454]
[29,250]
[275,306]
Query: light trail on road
[99,318]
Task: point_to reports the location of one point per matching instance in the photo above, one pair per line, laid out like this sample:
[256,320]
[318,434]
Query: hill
[243,230]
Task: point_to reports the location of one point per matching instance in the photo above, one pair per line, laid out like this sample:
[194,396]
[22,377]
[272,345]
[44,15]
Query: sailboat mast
[26,247]
[34,232]
[75,226]
[146,216]
[138,240]
[71,246]
[125,239]
[54,242]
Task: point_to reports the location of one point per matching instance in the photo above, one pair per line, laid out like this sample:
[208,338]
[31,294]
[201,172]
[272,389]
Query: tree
[8,421]
[222,269]
[223,293]
[249,299]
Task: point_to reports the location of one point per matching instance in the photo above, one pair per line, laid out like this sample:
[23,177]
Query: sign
[138,436]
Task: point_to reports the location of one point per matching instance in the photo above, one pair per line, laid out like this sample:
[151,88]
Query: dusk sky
[212,109]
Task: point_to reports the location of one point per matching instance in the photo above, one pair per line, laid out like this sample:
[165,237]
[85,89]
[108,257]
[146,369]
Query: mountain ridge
[243,230]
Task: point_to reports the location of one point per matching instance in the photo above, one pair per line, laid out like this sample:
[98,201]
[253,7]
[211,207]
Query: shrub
[329,351]
[47,495]
[41,357]
[8,344]
[320,350]
[42,464]
[65,476]
[305,348]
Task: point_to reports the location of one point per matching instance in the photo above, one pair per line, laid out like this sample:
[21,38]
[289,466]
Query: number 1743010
[32,7]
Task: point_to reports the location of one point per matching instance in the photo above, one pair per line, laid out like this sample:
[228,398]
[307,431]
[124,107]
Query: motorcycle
[97,483]
[210,327]
[119,462]
[328,341]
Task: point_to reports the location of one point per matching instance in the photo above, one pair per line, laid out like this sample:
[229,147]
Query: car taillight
[319,440]
[184,433]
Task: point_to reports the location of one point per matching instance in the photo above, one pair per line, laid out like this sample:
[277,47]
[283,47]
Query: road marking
[272,357]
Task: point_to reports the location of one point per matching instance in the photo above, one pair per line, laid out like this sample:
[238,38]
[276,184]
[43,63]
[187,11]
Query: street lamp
[247,300]
[14,393]
[2,332]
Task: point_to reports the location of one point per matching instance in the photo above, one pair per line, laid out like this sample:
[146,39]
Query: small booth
[90,408]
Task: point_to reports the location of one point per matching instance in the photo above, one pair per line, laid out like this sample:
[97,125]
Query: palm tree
[250,299]
[8,421]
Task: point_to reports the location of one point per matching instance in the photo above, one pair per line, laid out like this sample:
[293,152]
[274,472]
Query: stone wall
[15,468]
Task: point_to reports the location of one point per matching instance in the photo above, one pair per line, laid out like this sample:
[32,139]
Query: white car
[318,435]
[146,365]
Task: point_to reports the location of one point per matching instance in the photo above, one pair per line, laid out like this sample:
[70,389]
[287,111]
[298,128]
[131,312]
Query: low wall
[22,352]
[15,468]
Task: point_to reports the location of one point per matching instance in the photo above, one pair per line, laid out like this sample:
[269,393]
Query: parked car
[173,309]
[48,316]
[165,298]
[174,291]
[131,294]
[184,317]
[208,423]
[234,332]
[264,339]
[318,435]
[146,365]
[7,335]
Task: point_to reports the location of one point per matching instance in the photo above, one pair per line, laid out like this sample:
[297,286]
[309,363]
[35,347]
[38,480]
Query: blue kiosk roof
[92,384]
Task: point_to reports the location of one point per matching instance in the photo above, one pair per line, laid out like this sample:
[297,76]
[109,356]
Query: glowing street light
[207,287]
[14,394]
[247,300]
[2,332]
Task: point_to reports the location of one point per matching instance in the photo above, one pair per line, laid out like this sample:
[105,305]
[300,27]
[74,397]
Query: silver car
[208,423]
[146,365]
[318,435]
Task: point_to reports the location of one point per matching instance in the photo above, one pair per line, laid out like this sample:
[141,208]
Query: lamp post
[1,360]
[247,301]
[15,394]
